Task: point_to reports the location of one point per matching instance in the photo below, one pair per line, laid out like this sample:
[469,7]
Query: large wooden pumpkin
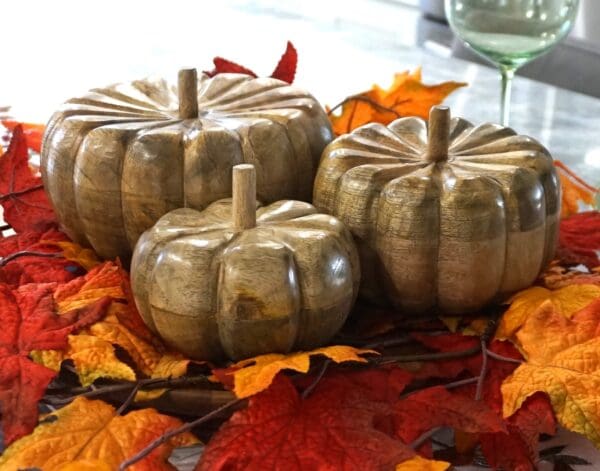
[451,216]
[234,281]
[118,158]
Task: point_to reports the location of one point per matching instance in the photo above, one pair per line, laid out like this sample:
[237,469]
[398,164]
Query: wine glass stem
[507,75]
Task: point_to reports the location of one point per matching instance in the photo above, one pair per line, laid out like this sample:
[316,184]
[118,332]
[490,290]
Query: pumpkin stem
[188,93]
[438,134]
[243,206]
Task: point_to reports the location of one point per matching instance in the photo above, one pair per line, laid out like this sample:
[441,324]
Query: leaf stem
[307,392]
[368,100]
[483,371]
[148,383]
[129,399]
[495,356]
[424,437]
[426,356]
[12,194]
[27,253]
[171,433]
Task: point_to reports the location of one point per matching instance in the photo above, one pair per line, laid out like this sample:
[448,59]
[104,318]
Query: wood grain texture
[452,223]
[116,159]
[212,291]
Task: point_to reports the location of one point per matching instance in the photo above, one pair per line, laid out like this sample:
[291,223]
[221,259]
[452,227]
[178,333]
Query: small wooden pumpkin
[232,280]
[452,217]
[118,158]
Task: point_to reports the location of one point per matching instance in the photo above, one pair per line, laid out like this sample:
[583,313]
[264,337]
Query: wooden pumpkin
[118,158]
[451,216]
[232,280]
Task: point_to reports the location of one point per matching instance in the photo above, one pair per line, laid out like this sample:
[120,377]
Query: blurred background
[57,49]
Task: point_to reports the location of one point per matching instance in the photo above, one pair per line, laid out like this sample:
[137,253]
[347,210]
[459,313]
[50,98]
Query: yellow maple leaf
[418,463]
[90,430]
[563,361]
[574,190]
[567,301]
[85,257]
[256,374]
[407,96]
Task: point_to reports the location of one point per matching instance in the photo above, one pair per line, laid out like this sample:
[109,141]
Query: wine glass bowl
[510,33]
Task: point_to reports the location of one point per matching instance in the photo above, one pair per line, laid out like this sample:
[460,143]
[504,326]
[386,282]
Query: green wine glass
[511,33]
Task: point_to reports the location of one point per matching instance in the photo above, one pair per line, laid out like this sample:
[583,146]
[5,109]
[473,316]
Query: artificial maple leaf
[85,465]
[93,349]
[567,301]
[436,406]
[579,239]
[335,427]
[524,427]
[29,322]
[93,354]
[563,362]
[107,279]
[85,257]
[17,269]
[28,240]
[26,206]
[574,190]
[518,444]
[253,375]
[103,280]
[407,96]
[285,69]
[33,133]
[91,430]
[418,463]
[556,276]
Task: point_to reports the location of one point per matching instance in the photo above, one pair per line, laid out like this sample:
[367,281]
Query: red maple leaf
[29,322]
[434,407]
[26,205]
[285,69]
[579,239]
[18,270]
[517,449]
[33,133]
[339,426]
[518,443]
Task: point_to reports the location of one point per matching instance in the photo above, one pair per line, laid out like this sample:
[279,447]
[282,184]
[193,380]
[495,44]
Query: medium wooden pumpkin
[118,158]
[451,216]
[232,280]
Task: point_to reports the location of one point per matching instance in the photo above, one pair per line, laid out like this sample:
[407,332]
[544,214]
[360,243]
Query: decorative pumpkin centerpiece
[234,281]
[446,215]
[118,158]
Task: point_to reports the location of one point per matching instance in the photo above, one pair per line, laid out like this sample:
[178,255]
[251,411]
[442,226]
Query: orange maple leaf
[567,301]
[93,349]
[574,190]
[91,431]
[418,463]
[254,375]
[407,96]
[556,276]
[563,361]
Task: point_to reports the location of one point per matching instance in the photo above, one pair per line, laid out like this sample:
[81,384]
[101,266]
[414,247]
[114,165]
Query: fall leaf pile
[79,369]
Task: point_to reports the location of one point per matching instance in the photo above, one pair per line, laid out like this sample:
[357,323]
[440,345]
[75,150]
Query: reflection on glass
[511,33]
